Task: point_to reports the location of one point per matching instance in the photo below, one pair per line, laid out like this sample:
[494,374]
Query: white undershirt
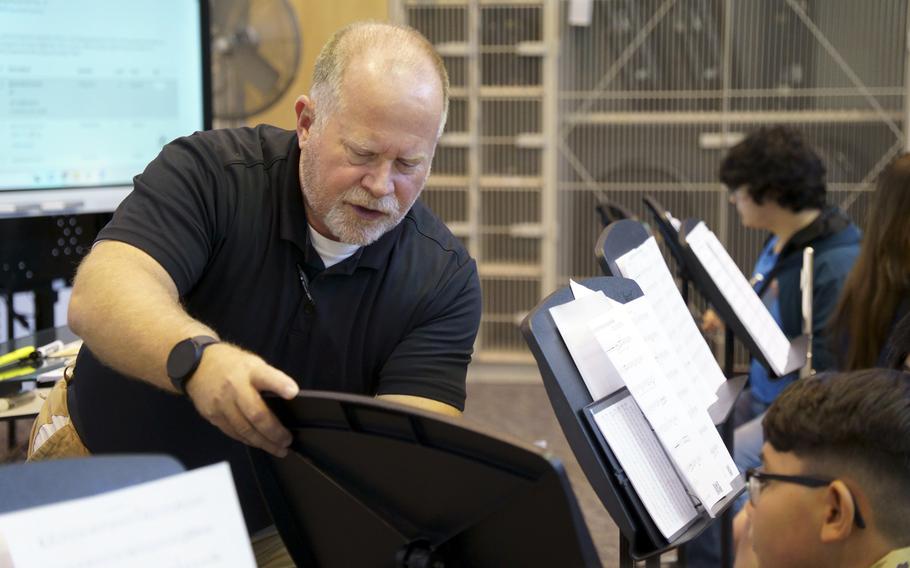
[331,252]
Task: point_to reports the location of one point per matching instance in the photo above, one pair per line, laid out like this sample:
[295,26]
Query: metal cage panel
[549,118]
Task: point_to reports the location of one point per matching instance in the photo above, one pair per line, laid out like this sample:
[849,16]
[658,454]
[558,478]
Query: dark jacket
[836,242]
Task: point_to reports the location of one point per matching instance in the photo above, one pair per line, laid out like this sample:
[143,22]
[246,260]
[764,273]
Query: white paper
[676,372]
[693,449]
[675,366]
[645,264]
[746,304]
[190,519]
[646,465]
[579,290]
[51,376]
[598,374]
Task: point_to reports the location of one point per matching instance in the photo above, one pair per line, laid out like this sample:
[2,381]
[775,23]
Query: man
[777,184]
[254,260]
[833,488]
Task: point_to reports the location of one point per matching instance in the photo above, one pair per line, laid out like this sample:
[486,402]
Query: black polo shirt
[223,213]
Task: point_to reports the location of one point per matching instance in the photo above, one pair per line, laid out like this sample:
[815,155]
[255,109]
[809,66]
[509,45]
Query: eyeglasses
[756,481]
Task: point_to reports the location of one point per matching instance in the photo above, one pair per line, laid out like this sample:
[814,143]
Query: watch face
[182,360]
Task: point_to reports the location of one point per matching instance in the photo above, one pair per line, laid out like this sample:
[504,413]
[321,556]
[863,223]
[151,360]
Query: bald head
[377,56]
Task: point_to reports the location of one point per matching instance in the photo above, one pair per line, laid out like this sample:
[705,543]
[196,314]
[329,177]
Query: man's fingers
[266,378]
[234,424]
[258,416]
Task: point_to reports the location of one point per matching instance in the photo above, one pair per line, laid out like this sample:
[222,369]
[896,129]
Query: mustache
[360,197]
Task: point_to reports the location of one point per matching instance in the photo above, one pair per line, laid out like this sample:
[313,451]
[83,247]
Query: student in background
[871,323]
[877,293]
[833,489]
[777,184]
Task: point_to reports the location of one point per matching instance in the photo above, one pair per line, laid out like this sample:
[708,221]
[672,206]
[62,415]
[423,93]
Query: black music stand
[799,346]
[671,237]
[569,397]
[609,211]
[615,241]
[373,483]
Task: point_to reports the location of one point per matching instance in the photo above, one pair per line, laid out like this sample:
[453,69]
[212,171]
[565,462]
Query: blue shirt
[763,387]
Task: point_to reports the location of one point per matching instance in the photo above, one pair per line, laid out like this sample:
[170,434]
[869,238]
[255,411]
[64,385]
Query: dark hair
[856,424]
[898,347]
[880,278]
[775,163]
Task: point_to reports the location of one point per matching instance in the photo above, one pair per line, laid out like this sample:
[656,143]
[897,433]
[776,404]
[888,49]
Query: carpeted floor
[522,410]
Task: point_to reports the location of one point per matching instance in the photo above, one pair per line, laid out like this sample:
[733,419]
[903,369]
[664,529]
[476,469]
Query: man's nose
[378,181]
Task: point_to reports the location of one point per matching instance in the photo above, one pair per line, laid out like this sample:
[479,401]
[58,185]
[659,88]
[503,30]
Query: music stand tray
[374,483]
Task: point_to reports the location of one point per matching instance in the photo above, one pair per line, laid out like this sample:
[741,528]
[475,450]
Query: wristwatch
[184,359]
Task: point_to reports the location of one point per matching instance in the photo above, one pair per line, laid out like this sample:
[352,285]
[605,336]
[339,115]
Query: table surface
[42,337]
[29,409]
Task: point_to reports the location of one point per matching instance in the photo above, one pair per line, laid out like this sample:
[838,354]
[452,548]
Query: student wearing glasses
[834,486]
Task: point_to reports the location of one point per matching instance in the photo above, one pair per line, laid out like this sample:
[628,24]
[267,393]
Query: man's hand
[710,323]
[225,389]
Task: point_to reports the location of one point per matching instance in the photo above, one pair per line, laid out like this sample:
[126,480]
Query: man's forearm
[125,307]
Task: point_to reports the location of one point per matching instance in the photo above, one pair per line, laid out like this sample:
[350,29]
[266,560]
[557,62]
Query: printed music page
[188,519]
[746,304]
[646,464]
[645,264]
[691,449]
[680,384]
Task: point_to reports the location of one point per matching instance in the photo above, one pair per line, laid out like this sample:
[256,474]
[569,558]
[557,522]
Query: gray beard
[343,222]
[340,219]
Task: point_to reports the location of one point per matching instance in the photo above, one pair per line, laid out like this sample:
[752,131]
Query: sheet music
[598,374]
[661,347]
[692,449]
[746,304]
[646,465]
[645,264]
[189,519]
[676,368]
[580,291]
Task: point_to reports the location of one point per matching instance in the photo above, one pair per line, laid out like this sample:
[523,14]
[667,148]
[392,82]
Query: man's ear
[840,510]
[305,109]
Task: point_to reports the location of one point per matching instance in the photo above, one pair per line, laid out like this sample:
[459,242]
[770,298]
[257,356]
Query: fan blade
[228,15]
[253,67]
[275,28]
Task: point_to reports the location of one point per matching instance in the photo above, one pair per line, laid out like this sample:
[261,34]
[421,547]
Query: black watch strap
[184,359]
